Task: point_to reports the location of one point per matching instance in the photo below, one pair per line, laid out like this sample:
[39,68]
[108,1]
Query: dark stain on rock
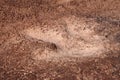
[117,37]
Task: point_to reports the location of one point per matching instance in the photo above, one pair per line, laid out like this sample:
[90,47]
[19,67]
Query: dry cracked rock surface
[59,40]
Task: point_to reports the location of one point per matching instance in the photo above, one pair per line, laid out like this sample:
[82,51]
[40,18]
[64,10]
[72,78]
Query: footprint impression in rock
[73,37]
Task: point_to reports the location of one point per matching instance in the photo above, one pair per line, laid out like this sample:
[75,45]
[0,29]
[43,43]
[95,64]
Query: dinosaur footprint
[76,39]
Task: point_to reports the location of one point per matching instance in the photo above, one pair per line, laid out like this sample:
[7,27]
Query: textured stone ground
[59,39]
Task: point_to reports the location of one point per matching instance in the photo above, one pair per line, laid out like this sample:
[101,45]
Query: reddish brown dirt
[17,61]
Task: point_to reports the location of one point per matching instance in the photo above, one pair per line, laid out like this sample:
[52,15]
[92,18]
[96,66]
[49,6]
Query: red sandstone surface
[59,39]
